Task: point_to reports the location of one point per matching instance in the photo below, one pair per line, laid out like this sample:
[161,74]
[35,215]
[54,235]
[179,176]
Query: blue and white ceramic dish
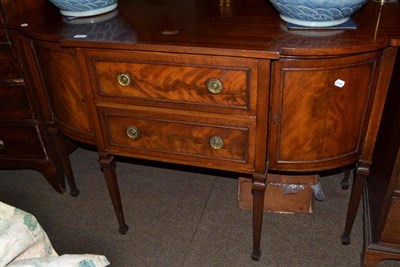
[317,13]
[84,8]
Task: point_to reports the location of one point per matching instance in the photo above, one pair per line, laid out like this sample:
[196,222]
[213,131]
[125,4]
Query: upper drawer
[179,81]
[14,103]
[195,140]
[9,64]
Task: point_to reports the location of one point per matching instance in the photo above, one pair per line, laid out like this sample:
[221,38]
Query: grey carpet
[180,218]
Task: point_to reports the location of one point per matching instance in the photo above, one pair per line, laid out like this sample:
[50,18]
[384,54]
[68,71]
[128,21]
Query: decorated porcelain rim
[88,13]
[308,23]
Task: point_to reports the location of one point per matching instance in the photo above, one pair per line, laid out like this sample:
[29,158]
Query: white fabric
[23,242]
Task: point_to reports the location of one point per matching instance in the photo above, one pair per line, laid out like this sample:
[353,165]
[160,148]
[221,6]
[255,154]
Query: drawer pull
[2,145]
[133,132]
[124,79]
[216,142]
[214,86]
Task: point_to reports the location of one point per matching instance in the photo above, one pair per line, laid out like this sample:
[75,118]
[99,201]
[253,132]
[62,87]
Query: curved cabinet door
[64,90]
[319,111]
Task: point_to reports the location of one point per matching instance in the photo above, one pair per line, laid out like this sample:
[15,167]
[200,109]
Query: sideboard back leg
[107,165]
[362,172]
[259,182]
[345,181]
[66,164]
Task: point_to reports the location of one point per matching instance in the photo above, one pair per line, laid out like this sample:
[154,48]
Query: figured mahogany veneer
[163,135]
[319,109]
[179,82]
[219,86]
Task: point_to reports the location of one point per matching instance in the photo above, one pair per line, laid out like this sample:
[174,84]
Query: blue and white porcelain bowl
[84,8]
[317,13]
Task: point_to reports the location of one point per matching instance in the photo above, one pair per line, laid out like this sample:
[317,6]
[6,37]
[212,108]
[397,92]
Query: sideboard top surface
[239,27]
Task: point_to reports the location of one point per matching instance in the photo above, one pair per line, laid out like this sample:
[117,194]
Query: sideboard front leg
[107,164]
[362,172]
[259,182]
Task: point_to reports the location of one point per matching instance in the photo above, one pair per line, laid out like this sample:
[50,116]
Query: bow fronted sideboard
[215,84]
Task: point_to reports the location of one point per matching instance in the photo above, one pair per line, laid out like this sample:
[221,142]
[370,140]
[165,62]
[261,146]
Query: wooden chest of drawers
[382,193]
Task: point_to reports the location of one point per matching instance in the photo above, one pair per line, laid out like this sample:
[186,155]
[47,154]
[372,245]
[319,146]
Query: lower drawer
[391,231]
[14,103]
[9,64]
[197,140]
[20,142]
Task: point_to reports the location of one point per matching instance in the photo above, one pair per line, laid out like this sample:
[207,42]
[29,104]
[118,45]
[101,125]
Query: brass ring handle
[133,132]
[215,86]
[216,142]
[124,79]
[2,145]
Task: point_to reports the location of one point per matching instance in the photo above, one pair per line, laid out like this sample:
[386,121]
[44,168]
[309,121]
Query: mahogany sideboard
[25,141]
[218,84]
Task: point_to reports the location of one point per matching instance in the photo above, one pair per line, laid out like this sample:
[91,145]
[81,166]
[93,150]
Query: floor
[180,217]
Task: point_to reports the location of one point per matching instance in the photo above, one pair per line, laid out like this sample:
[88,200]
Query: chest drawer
[194,140]
[14,103]
[217,84]
[9,64]
[20,142]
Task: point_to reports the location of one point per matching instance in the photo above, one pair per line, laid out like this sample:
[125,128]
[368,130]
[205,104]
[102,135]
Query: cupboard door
[65,90]
[320,111]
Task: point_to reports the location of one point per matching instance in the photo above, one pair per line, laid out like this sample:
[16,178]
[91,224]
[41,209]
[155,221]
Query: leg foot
[345,239]
[256,255]
[123,229]
[74,192]
[345,182]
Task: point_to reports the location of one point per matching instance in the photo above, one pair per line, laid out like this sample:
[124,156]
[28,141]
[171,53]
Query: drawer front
[3,36]
[188,82]
[320,111]
[14,103]
[9,64]
[195,142]
[391,231]
[20,142]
